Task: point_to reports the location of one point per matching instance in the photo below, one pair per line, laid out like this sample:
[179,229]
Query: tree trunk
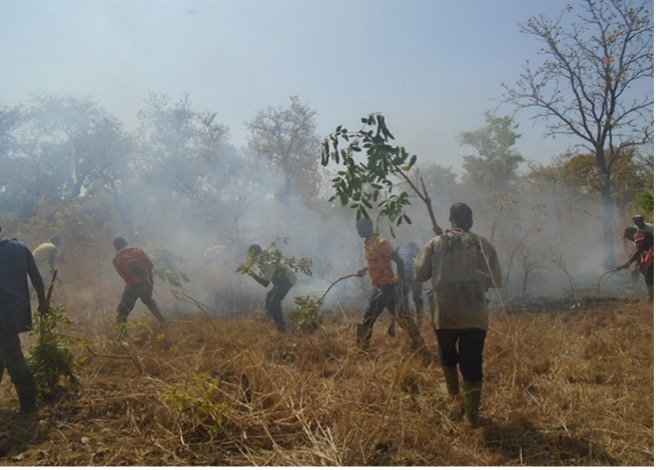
[607,213]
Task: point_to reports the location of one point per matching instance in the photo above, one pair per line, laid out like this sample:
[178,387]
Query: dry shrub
[561,388]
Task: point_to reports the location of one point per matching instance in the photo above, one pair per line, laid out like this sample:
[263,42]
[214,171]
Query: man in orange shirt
[379,254]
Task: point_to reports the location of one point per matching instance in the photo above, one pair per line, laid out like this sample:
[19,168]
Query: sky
[432,67]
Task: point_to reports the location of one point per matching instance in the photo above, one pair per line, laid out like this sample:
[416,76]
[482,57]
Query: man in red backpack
[136,269]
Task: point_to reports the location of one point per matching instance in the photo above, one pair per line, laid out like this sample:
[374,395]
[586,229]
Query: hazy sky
[433,67]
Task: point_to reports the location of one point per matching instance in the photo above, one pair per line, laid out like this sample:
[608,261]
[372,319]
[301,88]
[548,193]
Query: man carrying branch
[16,264]
[266,271]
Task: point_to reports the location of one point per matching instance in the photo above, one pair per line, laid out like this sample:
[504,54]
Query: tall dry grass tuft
[561,388]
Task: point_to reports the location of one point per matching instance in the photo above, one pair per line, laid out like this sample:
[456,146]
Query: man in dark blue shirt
[16,264]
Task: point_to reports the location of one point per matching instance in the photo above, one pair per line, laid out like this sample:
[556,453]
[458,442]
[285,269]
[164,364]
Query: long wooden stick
[50,288]
[602,276]
[331,286]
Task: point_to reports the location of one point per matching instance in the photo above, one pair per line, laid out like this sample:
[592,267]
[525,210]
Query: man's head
[254,249]
[413,248]
[639,221]
[365,228]
[629,232]
[120,243]
[55,240]
[461,216]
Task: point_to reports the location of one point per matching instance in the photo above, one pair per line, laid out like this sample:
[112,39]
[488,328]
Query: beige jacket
[462,266]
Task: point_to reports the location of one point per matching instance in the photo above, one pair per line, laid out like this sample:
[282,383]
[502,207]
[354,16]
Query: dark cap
[255,248]
[120,243]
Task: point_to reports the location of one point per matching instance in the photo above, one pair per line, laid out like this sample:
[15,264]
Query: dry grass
[561,388]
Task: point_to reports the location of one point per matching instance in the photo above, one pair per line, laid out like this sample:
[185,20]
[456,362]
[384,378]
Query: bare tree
[287,137]
[589,85]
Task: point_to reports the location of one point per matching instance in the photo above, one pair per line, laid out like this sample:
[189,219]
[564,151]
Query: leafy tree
[586,86]
[495,166]
[646,201]
[374,182]
[181,150]
[490,178]
[81,139]
[10,120]
[578,172]
[12,177]
[60,148]
[287,138]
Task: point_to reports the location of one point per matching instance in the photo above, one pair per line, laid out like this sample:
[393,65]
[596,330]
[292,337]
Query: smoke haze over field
[153,169]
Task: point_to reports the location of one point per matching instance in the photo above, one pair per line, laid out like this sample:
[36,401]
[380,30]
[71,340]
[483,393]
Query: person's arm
[267,270]
[400,267]
[261,281]
[37,282]
[422,269]
[119,266]
[634,257]
[51,259]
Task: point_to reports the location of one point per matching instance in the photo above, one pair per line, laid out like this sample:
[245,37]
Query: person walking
[387,287]
[279,275]
[136,269]
[16,265]
[462,266]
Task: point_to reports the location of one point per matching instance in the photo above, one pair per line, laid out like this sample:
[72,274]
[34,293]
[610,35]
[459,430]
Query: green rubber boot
[472,398]
[363,336]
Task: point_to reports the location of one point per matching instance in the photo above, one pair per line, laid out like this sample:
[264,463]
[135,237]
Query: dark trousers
[12,359]
[132,292]
[417,294]
[463,348]
[273,302]
[380,298]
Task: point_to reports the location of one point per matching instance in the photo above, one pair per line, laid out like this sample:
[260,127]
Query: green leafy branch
[166,267]
[307,315]
[50,359]
[273,256]
[645,201]
[371,184]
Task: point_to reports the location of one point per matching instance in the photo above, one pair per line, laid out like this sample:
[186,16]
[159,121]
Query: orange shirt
[378,252]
